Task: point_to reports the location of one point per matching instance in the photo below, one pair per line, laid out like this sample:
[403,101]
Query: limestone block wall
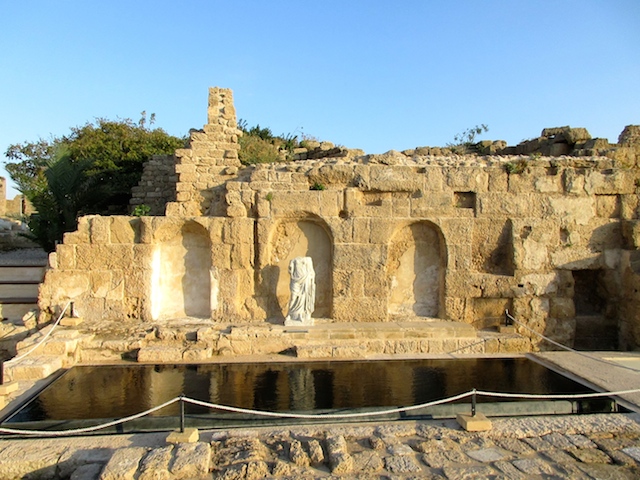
[151,269]
[210,160]
[394,236]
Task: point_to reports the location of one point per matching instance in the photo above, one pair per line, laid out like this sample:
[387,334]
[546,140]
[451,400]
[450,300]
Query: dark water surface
[101,392]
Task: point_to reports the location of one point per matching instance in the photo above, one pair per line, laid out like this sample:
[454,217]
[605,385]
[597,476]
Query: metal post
[473,403]
[507,319]
[181,414]
[1,372]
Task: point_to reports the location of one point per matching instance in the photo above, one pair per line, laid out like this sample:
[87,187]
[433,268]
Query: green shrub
[254,149]
[141,210]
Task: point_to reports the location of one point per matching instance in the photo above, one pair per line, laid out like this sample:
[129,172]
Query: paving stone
[581,441]
[433,445]
[509,471]
[478,443]
[237,472]
[281,468]
[400,450]
[440,459]
[341,463]
[621,458]
[571,470]
[514,445]
[590,455]
[633,452]
[558,440]
[533,466]
[538,444]
[297,454]
[487,455]
[435,459]
[256,470]
[73,458]
[558,456]
[123,464]
[155,465]
[316,455]
[90,471]
[367,462]
[339,459]
[404,464]
[191,459]
[241,449]
[454,472]
[24,461]
[615,443]
[376,443]
[397,429]
[608,472]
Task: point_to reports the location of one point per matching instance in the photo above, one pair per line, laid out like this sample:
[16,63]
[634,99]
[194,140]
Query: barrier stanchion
[473,403]
[181,413]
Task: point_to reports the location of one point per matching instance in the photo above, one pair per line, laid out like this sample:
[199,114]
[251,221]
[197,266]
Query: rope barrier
[320,416]
[17,359]
[327,415]
[76,431]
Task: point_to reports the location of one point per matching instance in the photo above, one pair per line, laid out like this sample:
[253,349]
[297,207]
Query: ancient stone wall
[394,236]
[157,186]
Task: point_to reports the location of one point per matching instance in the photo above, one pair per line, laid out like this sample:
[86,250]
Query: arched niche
[182,275]
[291,238]
[416,268]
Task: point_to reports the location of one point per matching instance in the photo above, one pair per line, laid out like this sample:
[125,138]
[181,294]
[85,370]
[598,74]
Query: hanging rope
[17,359]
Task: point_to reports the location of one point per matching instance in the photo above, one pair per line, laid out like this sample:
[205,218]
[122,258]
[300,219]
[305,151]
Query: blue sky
[364,74]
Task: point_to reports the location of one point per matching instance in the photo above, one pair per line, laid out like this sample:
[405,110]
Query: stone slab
[474,423]
[7,388]
[71,321]
[190,435]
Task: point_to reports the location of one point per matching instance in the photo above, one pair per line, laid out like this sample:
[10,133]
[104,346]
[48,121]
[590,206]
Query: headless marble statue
[303,292]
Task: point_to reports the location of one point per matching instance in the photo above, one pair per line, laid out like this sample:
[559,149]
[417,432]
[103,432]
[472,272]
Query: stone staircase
[19,289]
[199,343]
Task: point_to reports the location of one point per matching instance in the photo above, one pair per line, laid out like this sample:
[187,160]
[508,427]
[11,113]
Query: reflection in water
[118,391]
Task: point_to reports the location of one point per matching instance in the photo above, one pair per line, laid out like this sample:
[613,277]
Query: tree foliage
[89,171]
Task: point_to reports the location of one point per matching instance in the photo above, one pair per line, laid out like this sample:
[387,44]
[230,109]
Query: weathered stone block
[125,230]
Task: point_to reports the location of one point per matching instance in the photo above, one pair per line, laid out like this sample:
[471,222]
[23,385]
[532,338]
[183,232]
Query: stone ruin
[403,241]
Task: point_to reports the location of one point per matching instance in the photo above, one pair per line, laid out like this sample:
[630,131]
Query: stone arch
[182,274]
[307,236]
[416,270]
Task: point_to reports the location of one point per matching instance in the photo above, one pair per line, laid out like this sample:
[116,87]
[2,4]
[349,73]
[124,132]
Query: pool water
[107,392]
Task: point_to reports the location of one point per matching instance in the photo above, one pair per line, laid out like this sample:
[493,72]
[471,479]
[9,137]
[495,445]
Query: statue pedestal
[298,323]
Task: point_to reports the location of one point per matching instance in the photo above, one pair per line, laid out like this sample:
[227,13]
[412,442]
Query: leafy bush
[260,145]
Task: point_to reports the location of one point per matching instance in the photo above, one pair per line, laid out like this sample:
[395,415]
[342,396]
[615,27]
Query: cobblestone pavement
[599,446]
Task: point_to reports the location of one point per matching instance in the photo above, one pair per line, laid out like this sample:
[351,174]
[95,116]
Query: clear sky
[375,75]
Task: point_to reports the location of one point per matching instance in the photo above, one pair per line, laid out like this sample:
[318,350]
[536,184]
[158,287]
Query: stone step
[21,273]
[16,308]
[33,367]
[381,330]
[19,290]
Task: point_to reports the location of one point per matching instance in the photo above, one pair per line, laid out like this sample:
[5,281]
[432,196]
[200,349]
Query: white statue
[303,292]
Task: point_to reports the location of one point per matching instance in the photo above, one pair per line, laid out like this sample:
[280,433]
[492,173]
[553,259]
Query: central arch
[291,238]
